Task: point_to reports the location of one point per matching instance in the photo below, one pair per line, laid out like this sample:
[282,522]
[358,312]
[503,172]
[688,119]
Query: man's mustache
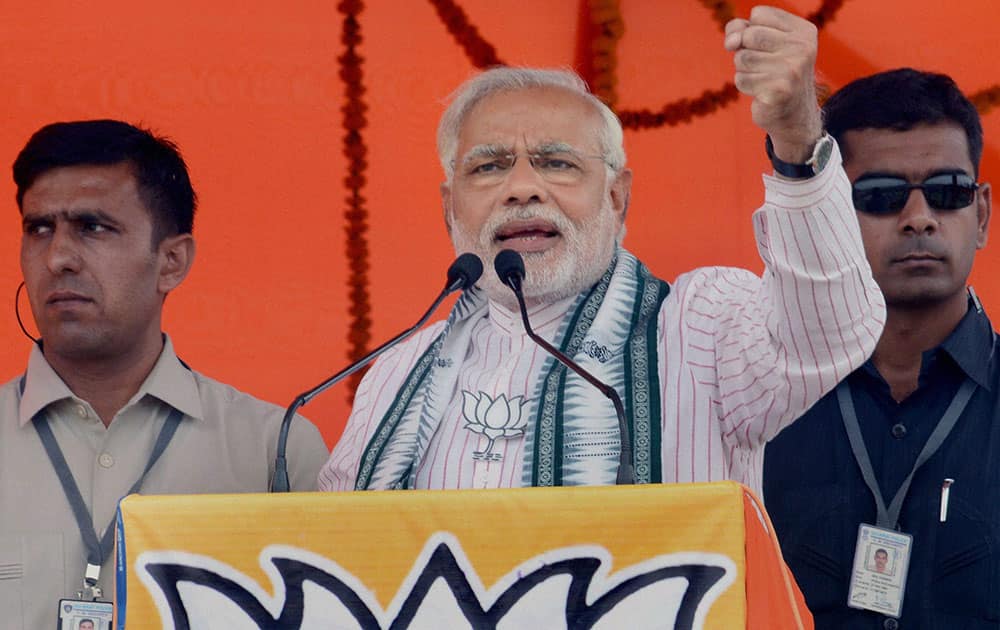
[496,223]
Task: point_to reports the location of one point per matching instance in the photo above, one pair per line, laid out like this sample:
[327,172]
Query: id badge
[878,579]
[78,614]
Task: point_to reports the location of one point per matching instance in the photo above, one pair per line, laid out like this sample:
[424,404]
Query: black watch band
[821,153]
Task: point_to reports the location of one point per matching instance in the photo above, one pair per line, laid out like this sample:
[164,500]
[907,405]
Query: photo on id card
[75,614]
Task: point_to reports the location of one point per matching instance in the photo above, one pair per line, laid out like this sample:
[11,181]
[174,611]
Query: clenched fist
[775,57]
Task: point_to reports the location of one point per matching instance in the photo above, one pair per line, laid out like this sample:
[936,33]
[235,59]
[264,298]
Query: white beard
[574,264]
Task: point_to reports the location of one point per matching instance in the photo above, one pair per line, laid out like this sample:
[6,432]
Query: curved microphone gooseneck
[462,274]
[510,267]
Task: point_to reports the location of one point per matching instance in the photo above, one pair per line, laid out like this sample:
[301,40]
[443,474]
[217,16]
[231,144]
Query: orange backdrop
[252,94]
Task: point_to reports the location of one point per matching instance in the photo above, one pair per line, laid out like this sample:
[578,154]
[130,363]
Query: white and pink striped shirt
[740,357]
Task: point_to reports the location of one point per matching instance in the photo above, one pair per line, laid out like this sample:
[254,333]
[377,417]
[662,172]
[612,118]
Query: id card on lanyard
[882,553]
[88,604]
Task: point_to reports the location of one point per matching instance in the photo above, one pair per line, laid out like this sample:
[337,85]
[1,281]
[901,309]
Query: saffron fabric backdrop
[253,96]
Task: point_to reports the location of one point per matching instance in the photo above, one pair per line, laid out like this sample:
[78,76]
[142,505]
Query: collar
[970,347]
[544,318]
[170,381]
[967,345]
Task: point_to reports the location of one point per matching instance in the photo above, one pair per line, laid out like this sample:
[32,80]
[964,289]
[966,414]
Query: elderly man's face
[529,176]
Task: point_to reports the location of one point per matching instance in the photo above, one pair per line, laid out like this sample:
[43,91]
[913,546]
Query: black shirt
[816,496]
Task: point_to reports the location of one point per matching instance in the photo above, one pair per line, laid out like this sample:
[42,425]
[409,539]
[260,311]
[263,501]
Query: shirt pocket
[817,533]
[967,563]
[32,579]
[11,579]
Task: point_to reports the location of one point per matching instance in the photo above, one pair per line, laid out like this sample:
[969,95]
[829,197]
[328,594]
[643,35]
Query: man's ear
[176,254]
[984,208]
[446,205]
[621,191]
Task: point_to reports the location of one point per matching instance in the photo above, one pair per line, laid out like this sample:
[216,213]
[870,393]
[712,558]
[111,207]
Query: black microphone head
[509,266]
[466,269]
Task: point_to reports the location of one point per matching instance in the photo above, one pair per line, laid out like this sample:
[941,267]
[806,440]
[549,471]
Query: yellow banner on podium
[653,556]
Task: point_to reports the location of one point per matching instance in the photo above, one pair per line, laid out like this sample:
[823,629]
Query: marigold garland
[987,99]
[356,214]
[825,13]
[481,53]
[685,109]
[722,11]
[607,28]
[680,111]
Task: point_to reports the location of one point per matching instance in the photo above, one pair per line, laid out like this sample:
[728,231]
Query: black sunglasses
[882,194]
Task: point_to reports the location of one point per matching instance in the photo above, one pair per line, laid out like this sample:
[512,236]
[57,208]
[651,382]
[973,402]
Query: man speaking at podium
[709,368]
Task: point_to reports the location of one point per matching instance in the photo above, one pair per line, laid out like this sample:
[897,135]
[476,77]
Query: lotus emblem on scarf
[495,418]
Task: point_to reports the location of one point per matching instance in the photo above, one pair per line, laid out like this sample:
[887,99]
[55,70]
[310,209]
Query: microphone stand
[279,482]
[626,472]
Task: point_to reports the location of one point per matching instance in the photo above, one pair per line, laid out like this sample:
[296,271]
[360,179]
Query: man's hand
[775,56]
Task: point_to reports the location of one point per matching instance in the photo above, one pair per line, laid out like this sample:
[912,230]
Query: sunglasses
[881,194]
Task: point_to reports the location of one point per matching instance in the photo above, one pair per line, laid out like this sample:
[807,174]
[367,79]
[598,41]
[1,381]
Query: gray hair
[506,79]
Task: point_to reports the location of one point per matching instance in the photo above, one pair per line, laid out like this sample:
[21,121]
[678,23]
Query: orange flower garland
[681,111]
[356,214]
[825,13]
[607,28]
[481,53]
[987,99]
[722,11]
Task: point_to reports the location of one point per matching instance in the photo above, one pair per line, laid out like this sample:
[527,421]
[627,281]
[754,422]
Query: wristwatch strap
[815,164]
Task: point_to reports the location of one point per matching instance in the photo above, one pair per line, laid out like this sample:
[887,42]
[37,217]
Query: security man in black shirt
[885,495]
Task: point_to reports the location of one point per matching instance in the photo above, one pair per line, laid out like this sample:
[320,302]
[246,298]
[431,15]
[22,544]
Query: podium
[652,556]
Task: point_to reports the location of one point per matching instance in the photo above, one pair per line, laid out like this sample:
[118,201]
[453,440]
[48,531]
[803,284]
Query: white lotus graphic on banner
[565,588]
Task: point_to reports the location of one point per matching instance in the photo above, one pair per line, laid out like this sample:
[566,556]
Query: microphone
[510,267]
[462,274]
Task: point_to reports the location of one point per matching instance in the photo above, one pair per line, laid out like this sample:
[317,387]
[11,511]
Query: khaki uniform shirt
[225,443]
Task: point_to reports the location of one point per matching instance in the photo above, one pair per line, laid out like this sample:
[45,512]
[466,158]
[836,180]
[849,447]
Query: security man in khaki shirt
[105,407]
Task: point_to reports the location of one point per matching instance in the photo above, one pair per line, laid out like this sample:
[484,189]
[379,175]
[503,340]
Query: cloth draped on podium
[651,556]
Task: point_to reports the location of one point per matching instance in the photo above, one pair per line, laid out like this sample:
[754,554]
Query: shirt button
[890,624]
[898,432]
[81,411]
[106,460]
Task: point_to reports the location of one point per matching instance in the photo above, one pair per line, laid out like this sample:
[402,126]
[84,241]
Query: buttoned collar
[169,381]
[970,347]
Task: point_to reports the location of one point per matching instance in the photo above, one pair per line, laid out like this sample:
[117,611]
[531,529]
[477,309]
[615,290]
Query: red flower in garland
[355,214]
[825,13]
[987,99]
[480,52]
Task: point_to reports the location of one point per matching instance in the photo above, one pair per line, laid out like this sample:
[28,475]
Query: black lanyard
[97,550]
[888,518]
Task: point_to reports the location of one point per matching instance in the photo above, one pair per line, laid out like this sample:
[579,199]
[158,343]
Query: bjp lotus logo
[495,418]
[569,587]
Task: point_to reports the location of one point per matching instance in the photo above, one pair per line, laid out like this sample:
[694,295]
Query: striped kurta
[740,356]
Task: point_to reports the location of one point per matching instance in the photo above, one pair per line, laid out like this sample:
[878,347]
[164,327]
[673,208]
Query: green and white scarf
[611,330]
